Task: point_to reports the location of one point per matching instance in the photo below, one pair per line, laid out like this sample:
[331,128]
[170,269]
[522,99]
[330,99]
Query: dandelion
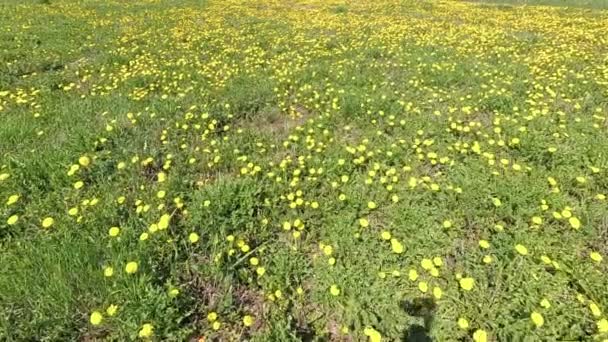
[84,161]
[146,330]
[193,238]
[47,222]
[396,246]
[467,283]
[372,334]
[537,319]
[248,320]
[463,323]
[131,267]
[12,220]
[96,318]
[574,222]
[114,231]
[12,200]
[111,310]
[334,290]
[595,256]
[108,272]
[521,249]
[480,335]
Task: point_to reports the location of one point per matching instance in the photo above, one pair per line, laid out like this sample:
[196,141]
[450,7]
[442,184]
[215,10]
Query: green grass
[320,170]
[594,4]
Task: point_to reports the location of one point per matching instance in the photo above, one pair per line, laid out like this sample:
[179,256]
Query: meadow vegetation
[303,170]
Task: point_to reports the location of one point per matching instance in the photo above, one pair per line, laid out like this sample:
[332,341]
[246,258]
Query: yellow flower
[602,326]
[12,199]
[386,235]
[371,205]
[12,220]
[163,223]
[423,286]
[212,316]
[373,334]
[427,264]
[537,319]
[111,310]
[78,185]
[193,237]
[173,293]
[437,293]
[248,320]
[108,271]
[595,310]
[216,325]
[131,267]
[260,271]
[162,177]
[595,256]
[144,236]
[47,222]
[467,283]
[484,244]
[73,211]
[545,303]
[574,222]
[334,290]
[96,318]
[447,224]
[537,220]
[84,161]
[463,323]
[480,335]
[521,249]
[413,275]
[146,330]
[4,177]
[364,222]
[396,246]
[114,231]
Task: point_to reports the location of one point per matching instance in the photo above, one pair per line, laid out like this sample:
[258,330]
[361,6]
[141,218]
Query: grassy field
[303,170]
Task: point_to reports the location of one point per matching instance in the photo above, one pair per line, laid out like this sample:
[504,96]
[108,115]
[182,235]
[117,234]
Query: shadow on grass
[423,308]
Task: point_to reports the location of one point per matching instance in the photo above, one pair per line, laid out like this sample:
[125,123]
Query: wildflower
[248,320]
[96,318]
[131,267]
[437,293]
[12,199]
[521,249]
[537,319]
[595,256]
[413,275]
[467,283]
[260,271]
[193,237]
[480,335]
[373,334]
[47,222]
[12,220]
[364,222]
[602,326]
[334,290]
[463,323]
[114,231]
[146,330]
[574,222]
[84,161]
[396,246]
[108,271]
[111,310]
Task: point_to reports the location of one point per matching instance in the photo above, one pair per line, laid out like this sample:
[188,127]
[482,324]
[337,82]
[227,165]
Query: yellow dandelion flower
[467,283]
[96,318]
[131,267]
[537,319]
[48,222]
